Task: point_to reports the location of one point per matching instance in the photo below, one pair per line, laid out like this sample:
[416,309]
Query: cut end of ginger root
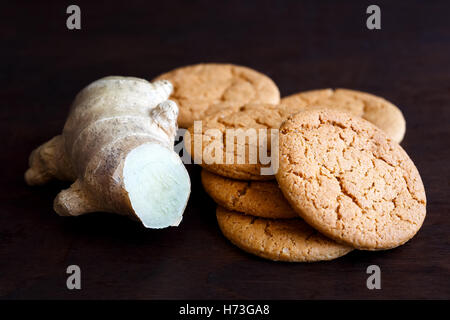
[117,149]
[158,185]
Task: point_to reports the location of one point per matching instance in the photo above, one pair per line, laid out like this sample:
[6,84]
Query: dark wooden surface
[301,45]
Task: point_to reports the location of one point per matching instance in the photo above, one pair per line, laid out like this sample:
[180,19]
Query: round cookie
[200,86]
[257,198]
[209,145]
[348,180]
[377,110]
[289,240]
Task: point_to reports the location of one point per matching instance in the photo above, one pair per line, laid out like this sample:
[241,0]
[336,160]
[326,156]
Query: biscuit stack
[342,181]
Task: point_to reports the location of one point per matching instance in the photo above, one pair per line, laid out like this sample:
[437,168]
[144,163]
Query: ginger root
[117,148]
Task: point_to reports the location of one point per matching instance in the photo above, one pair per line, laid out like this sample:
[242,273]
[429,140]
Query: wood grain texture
[301,45]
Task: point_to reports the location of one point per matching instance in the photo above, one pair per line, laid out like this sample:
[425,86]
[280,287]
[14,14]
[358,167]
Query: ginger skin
[117,148]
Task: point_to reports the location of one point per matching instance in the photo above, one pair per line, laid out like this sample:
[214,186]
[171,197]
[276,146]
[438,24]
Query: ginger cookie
[200,86]
[289,240]
[377,110]
[349,181]
[257,198]
[241,128]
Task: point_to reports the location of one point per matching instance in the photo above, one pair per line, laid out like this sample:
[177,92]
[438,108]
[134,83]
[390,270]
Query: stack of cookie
[341,180]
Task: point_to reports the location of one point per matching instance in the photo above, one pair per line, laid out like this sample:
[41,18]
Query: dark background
[301,45]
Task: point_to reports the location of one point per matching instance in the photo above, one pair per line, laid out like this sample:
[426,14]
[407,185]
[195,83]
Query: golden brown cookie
[258,198]
[289,240]
[377,110]
[200,86]
[208,146]
[348,180]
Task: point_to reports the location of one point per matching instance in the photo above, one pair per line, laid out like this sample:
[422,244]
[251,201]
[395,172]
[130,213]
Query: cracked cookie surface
[236,124]
[289,240]
[348,180]
[377,110]
[200,86]
[269,116]
[256,198]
